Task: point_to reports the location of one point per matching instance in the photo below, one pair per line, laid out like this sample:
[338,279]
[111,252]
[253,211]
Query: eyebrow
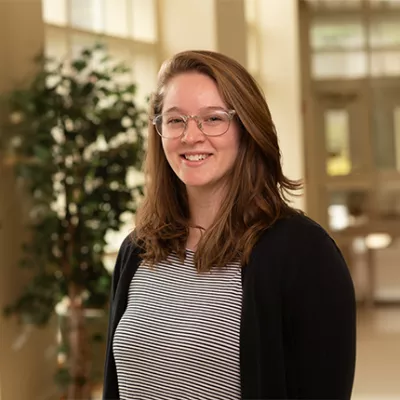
[178,109]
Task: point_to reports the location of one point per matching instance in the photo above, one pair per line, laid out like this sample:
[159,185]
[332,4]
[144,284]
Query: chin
[202,181]
[197,183]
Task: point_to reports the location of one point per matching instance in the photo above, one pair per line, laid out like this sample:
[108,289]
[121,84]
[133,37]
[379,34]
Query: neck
[204,206]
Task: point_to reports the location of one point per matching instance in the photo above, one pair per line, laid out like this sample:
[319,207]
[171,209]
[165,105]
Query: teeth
[195,157]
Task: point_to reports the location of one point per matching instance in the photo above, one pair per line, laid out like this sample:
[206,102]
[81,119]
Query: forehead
[191,92]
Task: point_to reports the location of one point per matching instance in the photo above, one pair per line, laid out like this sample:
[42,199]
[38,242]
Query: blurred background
[330,70]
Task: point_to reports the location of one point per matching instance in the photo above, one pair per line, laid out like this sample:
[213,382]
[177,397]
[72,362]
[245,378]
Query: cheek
[168,148]
[235,143]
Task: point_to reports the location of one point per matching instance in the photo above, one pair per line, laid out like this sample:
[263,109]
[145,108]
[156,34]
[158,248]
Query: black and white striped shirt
[179,336]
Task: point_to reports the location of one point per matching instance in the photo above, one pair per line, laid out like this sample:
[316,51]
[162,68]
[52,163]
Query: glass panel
[339,65]
[144,20]
[385,32]
[87,14]
[337,142]
[397,136]
[348,208]
[385,63]
[116,18]
[341,34]
[55,12]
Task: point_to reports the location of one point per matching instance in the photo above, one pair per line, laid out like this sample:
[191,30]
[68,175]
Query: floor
[378,358]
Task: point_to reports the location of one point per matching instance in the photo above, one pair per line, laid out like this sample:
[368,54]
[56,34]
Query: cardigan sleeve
[321,318]
[110,383]
[119,264]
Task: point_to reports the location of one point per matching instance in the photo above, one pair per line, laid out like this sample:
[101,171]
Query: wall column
[217,25]
[231,29]
[280,73]
[27,363]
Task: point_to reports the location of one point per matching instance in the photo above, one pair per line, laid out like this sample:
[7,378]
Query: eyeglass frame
[231,113]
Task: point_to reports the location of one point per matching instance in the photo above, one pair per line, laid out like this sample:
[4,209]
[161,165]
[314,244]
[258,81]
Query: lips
[195,156]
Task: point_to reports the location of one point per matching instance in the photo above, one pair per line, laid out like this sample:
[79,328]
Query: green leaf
[41,152]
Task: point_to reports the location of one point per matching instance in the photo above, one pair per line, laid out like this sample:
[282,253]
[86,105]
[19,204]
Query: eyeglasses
[171,125]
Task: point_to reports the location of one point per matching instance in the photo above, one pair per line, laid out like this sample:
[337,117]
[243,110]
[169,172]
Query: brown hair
[258,188]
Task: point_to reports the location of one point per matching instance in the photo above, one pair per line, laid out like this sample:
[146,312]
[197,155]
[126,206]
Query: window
[338,48]
[354,45]
[384,32]
[334,64]
[86,14]
[127,27]
[337,142]
[345,35]
[385,63]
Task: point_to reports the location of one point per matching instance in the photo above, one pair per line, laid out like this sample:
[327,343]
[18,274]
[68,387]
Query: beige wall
[278,29]
[26,364]
[203,25]
[186,25]
[231,29]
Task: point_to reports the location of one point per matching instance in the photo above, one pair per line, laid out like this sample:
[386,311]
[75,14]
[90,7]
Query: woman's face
[198,160]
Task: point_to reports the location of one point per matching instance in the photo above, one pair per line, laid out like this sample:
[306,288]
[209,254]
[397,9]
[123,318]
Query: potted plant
[74,135]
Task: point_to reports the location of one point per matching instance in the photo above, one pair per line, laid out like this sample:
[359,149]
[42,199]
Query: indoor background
[330,70]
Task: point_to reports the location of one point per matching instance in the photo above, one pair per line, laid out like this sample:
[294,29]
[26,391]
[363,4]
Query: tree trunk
[79,349]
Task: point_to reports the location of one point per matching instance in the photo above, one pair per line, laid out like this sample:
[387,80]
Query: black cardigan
[298,327]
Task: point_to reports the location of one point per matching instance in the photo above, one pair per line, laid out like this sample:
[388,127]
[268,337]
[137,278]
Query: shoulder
[293,232]
[127,246]
[297,245]
[127,249]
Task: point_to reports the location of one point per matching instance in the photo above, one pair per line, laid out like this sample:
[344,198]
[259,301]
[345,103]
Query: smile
[195,157]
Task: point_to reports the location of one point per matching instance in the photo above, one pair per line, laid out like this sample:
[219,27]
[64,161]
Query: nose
[193,133]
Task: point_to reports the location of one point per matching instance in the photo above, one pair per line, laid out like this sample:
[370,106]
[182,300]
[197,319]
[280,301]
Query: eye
[214,118]
[174,120]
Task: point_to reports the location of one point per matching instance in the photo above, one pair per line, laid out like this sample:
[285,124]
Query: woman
[224,291]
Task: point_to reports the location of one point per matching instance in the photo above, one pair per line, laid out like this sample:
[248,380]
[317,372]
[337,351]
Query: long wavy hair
[258,189]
